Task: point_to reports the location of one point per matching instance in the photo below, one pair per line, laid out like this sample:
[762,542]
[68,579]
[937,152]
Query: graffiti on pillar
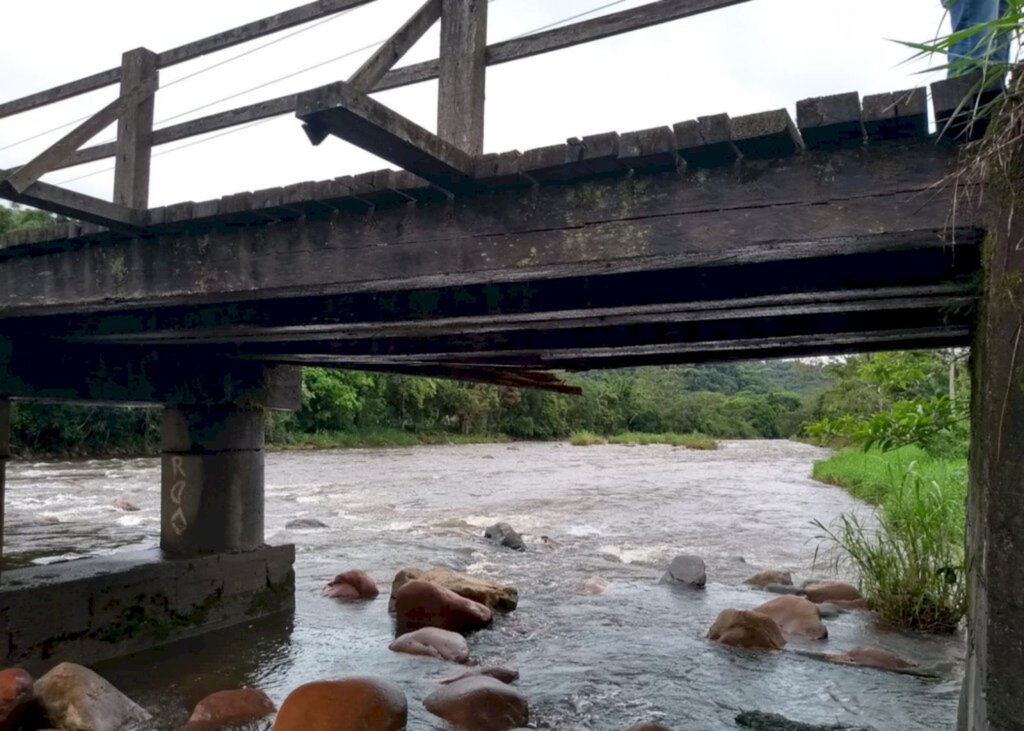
[178,521]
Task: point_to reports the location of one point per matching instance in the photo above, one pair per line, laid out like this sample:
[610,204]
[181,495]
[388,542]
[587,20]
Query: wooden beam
[372,71]
[462,74]
[55,154]
[135,130]
[74,205]
[187,52]
[353,116]
[605,26]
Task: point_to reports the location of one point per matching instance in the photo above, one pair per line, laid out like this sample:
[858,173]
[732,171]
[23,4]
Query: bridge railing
[460,69]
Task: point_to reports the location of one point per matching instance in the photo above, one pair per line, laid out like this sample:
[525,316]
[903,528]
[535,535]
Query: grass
[383,438]
[910,556]
[690,441]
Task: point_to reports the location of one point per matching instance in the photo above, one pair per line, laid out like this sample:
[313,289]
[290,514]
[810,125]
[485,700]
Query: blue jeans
[982,47]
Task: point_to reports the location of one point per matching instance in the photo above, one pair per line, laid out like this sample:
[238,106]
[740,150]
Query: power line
[566,20]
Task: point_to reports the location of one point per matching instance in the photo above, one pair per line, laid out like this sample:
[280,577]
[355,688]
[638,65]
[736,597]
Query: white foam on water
[583,531]
[644,556]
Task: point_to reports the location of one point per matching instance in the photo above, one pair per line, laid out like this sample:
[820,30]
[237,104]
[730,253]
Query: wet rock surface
[479,703]
[686,570]
[350,704]
[76,698]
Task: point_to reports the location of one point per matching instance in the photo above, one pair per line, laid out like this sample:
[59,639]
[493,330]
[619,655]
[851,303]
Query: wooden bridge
[704,239]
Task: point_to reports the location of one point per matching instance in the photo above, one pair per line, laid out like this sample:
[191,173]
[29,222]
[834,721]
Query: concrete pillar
[5,441]
[211,479]
[992,696]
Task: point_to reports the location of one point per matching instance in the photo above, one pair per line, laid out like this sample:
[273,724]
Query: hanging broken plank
[343,111]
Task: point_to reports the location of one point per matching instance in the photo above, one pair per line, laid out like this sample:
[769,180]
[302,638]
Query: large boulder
[479,703]
[795,616]
[433,642]
[351,704]
[504,673]
[77,699]
[15,697]
[498,597]
[873,657]
[353,584]
[422,604]
[505,535]
[777,577]
[831,591]
[746,630]
[230,707]
[686,570]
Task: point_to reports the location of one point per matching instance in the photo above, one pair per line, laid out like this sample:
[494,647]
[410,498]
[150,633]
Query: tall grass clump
[689,441]
[585,439]
[910,554]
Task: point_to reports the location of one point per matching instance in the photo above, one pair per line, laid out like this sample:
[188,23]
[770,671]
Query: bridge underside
[823,252]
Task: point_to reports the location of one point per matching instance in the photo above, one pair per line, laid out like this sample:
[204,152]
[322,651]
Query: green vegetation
[690,441]
[586,439]
[378,439]
[905,417]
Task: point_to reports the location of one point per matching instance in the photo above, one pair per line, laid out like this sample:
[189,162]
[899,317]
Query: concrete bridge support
[993,692]
[5,442]
[211,479]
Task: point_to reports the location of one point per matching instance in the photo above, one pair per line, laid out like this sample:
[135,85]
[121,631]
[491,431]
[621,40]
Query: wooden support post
[5,439]
[991,696]
[135,131]
[462,73]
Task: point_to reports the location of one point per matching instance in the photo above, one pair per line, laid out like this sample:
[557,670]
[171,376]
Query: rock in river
[795,616]
[353,584]
[490,593]
[504,673]
[352,704]
[761,721]
[873,657]
[74,697]
[304,524]
[479,703]
[123,503]
[687,570]
[831,591]
[768,577]
[433,642]
[505,535]
[230,707]
[422,604]
[746,630]
[15,696]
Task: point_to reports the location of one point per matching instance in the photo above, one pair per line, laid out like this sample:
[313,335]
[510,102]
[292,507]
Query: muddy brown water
[636,652]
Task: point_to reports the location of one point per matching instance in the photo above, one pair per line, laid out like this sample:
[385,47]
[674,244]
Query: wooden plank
[896,115]
[706,142]
[462,73]
[649,150]
[353,116]
[502,170]
[959,104]
[766,135]
[55,154]
[373,69]
[187,52]
[135,130]
[75,205]
[831,122]
[556,39]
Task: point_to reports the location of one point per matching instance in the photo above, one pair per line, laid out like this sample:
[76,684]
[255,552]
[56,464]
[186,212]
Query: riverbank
[380,439]
[875,476]
[690,441]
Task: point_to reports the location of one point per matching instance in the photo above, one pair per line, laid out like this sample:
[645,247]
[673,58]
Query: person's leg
[965,14]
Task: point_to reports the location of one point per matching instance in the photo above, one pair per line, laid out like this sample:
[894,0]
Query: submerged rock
[653,726]
[74,697]
[342,705]
[761,721]
[795,616]
[504,673]
[230,707]
[440,644]
[828,610]
[422,604]
[594,585]
[785,589]
[873,657]
[776,577]
[304,524]
[687,570]
[505,535]
[479,703]
[122,503]
[831,591]
[16,696]
[498,597]
[353,584]
[746,630]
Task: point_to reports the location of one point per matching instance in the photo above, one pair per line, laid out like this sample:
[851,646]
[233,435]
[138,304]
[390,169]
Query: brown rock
[831,591]
[479,703]
[123,503]
[433,642]
[649,727]
[746,630]
[856,604]
[227,707]
[498,597]
[74,697]
[15,697]
[504,673]
[351,585]
[352,704]
[795,616]
[874,657]
[770,576]
[594,585]
[423,604]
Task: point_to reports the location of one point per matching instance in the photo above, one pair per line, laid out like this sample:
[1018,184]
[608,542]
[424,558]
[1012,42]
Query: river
[636,652]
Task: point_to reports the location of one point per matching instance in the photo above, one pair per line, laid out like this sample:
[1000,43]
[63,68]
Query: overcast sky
[759,55]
